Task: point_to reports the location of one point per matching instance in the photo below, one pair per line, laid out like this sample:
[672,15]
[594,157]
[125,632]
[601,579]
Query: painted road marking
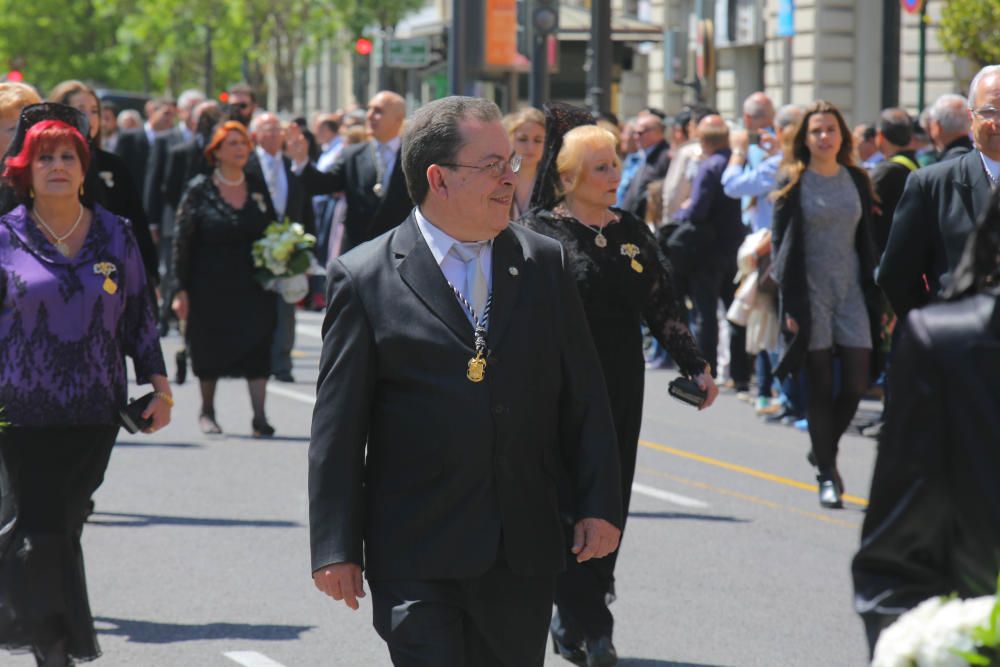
[675,498]
[778,479]
[251,659]
[308,399]
[306,330]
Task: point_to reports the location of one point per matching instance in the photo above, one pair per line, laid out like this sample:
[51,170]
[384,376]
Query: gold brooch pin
[106,269]
[631,251]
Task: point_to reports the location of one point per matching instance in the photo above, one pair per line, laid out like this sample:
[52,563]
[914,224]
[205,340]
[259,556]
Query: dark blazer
[955,149]
[655,167]
[789,268]
[888,178]
[428,471]
[711,227]
[933,520]
[134,149]
[298,207]
[184,161]
[152,198]
[354,174]
[936,214]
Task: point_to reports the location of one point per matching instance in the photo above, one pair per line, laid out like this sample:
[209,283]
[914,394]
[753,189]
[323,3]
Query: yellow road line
[770,504]
[734,467]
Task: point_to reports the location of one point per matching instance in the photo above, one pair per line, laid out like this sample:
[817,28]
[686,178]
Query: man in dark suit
[369,174]
[435,450]
[703,247]
[649,129]
[941,205]
[949,126]
[895,130]
[287,200]
[135,147]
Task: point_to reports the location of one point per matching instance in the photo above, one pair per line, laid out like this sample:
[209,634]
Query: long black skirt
[49,476]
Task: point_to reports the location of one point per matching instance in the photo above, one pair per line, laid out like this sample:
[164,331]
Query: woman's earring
[81,189]
[31,192]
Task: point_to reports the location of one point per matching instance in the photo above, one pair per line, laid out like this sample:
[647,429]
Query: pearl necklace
[60,241]
[226,181]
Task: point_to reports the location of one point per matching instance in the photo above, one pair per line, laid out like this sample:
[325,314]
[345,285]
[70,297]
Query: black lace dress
[232,318]
[621,284]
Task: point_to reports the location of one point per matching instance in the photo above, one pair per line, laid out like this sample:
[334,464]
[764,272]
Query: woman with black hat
[623,280]
[73,304]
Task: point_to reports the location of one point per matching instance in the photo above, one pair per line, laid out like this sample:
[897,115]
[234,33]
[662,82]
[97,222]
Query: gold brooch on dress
[631,251]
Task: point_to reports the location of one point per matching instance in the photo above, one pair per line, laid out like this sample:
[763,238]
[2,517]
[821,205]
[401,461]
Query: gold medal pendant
[109,286]
[631,251]
[106,269]
[636,266]
[477,368]
[600,240]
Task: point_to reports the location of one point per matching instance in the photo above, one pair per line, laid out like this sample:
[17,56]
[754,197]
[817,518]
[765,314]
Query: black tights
[828,416]
[258,392]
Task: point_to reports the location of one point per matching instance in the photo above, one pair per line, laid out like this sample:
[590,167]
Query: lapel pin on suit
[513,271]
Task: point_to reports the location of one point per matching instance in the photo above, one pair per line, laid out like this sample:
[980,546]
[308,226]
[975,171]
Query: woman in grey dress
[825,263]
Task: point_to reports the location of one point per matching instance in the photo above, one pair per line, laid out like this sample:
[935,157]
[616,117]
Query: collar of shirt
[265,157]
[992,168]
[150,132]
[440,244]
[393,144]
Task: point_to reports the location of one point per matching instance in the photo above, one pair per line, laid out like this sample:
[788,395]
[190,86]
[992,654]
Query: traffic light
[224,97]
[14,75]
[362,64]
[545,17]
[363,47]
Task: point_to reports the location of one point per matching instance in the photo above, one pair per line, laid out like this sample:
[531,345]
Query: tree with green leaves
[971,29]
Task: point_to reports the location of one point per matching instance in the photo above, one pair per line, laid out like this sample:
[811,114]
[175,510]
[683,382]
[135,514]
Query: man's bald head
[268,132]
[386,113]
[758,112]
[713,133]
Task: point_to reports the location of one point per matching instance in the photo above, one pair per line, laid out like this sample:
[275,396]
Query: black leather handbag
[130,417]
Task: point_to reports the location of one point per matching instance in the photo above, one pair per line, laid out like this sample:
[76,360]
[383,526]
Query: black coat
[184,161]
[955,149]
[654,168]
[153,199]
[354,174]
[937,212]
[889,179]
[789,267]
[933,520]
[134,149]
[432,473]
[298,205]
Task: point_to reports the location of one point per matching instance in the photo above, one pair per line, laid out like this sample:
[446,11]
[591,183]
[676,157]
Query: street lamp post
[599,60]
[457,39]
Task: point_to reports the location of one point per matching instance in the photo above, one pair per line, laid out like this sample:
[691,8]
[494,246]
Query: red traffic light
[224,97]
[363,46]
[15,75]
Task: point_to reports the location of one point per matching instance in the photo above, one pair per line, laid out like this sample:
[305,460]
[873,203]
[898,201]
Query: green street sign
[412,52]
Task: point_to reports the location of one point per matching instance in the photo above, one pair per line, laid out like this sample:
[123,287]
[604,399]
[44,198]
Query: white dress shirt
[452,267]
[389,152]
[992,168]
[276,179]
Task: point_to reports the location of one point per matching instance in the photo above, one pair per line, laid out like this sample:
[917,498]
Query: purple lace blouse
[64,331]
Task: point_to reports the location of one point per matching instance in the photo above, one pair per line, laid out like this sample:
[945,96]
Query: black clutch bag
[130,417]
[687,391]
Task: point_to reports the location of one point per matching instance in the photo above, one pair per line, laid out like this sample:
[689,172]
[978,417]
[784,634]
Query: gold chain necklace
[60,241]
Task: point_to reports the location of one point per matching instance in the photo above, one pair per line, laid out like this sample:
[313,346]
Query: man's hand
[707,385]
[594,538]
[341,581]
[180,304]
[739,141]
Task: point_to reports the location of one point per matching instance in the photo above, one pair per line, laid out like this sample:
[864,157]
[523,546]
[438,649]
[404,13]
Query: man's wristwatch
[740,154]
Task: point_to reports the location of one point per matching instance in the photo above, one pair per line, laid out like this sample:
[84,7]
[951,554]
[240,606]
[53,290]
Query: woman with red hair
[73,304]
[230,317]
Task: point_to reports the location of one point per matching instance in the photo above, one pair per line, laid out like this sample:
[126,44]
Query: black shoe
[261,429]
[835,474]
[574,654]
[181,359]
[284,376]
[601,653]
[208,424]
[829,494]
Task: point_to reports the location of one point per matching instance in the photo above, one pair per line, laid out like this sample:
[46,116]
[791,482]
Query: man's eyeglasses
[991,114]
[496,169]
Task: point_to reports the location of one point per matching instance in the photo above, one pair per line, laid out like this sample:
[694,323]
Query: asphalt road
[198,554]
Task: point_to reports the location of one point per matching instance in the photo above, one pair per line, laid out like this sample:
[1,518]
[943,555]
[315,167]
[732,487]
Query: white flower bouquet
[283,258]
[942,632]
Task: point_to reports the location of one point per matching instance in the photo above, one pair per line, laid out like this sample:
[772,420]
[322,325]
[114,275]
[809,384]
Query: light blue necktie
[476,290]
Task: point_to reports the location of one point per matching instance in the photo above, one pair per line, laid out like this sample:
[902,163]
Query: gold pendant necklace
[60,241]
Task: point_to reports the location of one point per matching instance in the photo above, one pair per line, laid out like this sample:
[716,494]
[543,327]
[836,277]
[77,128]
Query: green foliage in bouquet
[986,637]
[3,423]
[283,251]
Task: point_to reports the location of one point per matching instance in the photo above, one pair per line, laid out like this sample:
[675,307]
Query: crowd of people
[578,250]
